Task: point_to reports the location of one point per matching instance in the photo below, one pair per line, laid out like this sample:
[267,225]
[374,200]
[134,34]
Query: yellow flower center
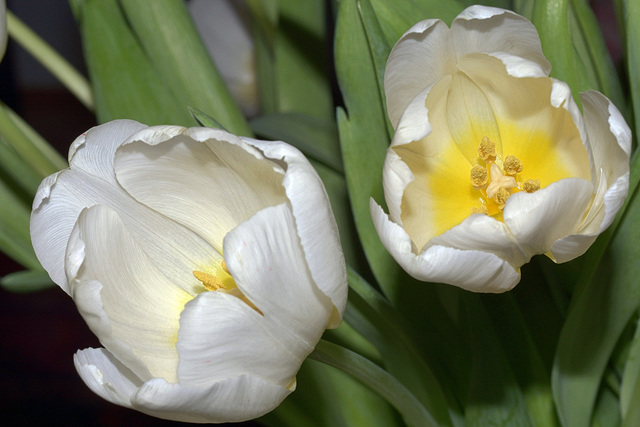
[497,180]
[221,280]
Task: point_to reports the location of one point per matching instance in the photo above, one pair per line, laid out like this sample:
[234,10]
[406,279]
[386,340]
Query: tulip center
[222,281]
[497,179]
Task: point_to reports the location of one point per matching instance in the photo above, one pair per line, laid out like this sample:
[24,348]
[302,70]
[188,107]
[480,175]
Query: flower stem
[75,82]
[379,380]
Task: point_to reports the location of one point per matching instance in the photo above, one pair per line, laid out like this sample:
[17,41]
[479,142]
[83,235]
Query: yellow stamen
[512,165]
[501,197]
[531,185]
[211,282]
[482,210]
[487,149]
[479,177]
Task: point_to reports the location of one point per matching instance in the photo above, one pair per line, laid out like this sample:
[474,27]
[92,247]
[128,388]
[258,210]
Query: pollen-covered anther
[209,281]
[512,165]
[479,177]
[487,150]
[531,185]
[481,210]
[501,197]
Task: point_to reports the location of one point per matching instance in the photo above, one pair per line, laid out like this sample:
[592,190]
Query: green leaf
[551,18]
[597,317]
[204,119]
[629,10]
[27,281]
[15,240]
[171,42]
[597,54]
[292,57]
[371,315]
[125,83]
[363,137]
[494,395]
[379,380]
[630,388]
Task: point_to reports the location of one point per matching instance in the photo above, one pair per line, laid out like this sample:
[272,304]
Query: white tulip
[492,161]
[135,231]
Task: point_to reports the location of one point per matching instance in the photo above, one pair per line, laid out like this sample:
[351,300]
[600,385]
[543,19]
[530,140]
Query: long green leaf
[377,379]
[630,389]
[363,137]
[125,83]
[170,40]
[494,395]
[551,18]
[597,317]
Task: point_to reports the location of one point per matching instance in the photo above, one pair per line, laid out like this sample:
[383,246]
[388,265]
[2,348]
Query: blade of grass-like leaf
[372,315]
[377,379]
[599,313]
[204,119]
[301,59]
[494,396]
[631,25]
[398,16]
[15,240]
[57,161]
[606,412]
[524,8]
[125,83]
[523,356]
[551,18]
[317,138]
[630,388]
[11,131]
[264,14]
[600,60]
[363,137]
[176,52]
[27,281]
[50,59]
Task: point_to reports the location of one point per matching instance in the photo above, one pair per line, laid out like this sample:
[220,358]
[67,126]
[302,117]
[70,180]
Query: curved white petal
[125,300]
[468,269]
[106,376]
[265,257]
[231,400]
[421,57]
[314,222]
[222,337]
[481,29]
[537,220]
[483,233]
[62,196]
[574,245]
[205,179]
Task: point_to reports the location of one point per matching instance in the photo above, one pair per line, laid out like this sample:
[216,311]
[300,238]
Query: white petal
[106,376]
[265,257]
[537,220]
[483,233]
[468,269]
[572,246]
[609,139]
[421,57]
[205,179]
[222,337]
[314,221]
[93,151]
[396,176]
[481,29]
[235,399]
[62,196]
[131,307]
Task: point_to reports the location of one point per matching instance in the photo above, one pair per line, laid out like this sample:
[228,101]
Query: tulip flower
[492,161]
[208,266]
